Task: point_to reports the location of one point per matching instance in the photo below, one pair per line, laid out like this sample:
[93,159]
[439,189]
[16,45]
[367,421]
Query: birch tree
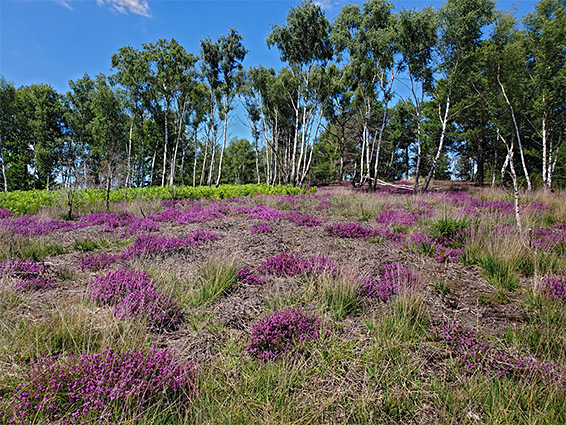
[304,44]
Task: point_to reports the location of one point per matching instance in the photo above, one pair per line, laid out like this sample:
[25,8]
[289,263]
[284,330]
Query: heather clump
[550,239]
[106,387]
[4,213]
[349,230]
[98,261]
[474,355]
[35,226]
[284,264]
[199,213]
[134,295]
[249,277]
[29,274]
[262,212]
[152,243]
[392,280]
[260,228]
[282,332]
[555,286]
[304,220]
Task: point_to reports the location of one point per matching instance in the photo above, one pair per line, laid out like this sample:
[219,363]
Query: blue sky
[54,41]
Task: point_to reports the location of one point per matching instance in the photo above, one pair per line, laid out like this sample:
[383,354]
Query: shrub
[303,220]
[29,274]
[555,286]
[249,277]
[134,294]
[473,354]
[96,262]
[392,279]
[450,231]
[284,264]
[76,388]
[261,228]
[151,243]
[349,230]
[281,332]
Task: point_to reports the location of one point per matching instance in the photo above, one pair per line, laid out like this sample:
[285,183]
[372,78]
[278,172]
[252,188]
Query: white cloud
[65,3]
[327,4]
[137,7]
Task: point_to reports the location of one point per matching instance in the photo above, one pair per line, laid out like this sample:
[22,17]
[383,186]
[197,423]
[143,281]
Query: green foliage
[215,279]
[88,245]
[500,272]
[544,330]
[30,202]
[33,248]
[450,229]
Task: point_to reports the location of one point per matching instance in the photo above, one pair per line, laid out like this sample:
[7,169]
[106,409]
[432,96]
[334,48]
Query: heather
[134,295]
[334,306]
[391,280]
[281,332]
[29,275]
[469,350]
[106,386]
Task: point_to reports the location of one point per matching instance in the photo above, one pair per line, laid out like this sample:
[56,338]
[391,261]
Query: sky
[54,41]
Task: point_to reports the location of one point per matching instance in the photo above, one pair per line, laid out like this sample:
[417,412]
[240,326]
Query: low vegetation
[380,307]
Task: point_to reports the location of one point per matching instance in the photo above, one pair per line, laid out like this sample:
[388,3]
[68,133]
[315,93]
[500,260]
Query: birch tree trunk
[129,172]
[212,157]
[223,146]
[518,134]
[174,158]
[441,143]
[3,169]
[165,145]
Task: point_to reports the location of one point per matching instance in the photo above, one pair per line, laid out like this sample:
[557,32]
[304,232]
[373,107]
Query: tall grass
[214,279]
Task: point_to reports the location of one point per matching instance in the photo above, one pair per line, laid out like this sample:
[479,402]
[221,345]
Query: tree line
[465,90]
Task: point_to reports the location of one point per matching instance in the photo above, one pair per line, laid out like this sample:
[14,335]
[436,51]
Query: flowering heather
[261,228]
[323,205]
[447,254]
[398,217]
[134,294]
[168,203]
[114,286]
[382,231]
[349,230]
[96,262]
[261,212]
[555,286]
[281,332]
[168,215]
[139,225]
[303,219]
[28,225]
[106,219]
[291,264]
[465,344]
[78,389]
[198,213]
[151,243]
[421,242]
[160,310]
[393,279]
[550,238]
[4,213]
[249,277]
[535,207]
[463,199]
[283,265]
[473,354]
[29,274]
